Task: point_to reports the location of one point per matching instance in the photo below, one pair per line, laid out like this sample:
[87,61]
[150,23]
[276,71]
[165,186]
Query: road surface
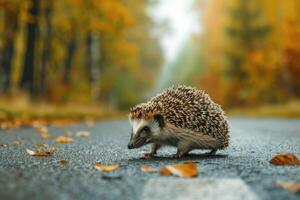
[240,172]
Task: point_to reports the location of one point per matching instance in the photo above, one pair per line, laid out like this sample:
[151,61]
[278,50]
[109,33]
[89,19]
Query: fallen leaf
[41,145]
[63,162]
[106,168]
[68,133]
[38,153]
[62,139]
[285,159]
[290,186]
[46,135]
[42,129]
[52,149]
[83,134]
[3,145]
[187,169]
[147,169]
[16,142]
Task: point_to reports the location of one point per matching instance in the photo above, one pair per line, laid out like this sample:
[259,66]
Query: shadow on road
[192,156]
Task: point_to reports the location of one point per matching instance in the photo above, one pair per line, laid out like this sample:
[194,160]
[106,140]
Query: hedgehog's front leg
[213,152]
[182,149]
[154,148]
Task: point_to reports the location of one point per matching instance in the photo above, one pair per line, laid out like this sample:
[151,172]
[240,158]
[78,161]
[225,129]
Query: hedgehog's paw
[149,155]
[180,153]
[211,153]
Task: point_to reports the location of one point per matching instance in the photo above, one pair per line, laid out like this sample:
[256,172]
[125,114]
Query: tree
[246,37]
[11,14]
[27,80]
[46,51]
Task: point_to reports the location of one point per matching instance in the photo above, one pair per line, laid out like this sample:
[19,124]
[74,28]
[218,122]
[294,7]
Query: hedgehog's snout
[130,146]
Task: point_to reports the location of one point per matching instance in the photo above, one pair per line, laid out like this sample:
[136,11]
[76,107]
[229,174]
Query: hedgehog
[183,117]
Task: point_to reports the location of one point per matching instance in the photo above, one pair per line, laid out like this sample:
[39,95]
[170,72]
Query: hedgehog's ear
[160,120]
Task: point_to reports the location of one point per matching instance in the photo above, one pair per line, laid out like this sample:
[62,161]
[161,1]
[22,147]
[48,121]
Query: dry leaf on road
[46,135]
[62,139]
[16,142]
[147,169]
[285,159]
[68,133]
[41,129]
[290,186]
[38,153]
[63,162]
[106,168]
[41,145]
[83,134]
[188,169]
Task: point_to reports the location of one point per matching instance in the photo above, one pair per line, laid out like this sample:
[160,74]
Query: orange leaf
[16,142]
[83,134]
[41,145]
[285,159]
[42,129]
[68,133]
[62,139]
[46,135]
[38,153]
[63,162]
[106,168]
[290,186]
[188,169]
[147,169]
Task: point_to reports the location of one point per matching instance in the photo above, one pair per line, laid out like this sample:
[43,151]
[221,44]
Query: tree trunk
[11,26]
[69,60]
[93,54]
[89,57]
[27,80]
[46,52]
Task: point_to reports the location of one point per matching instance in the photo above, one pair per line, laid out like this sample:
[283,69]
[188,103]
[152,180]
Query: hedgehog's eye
[146,129]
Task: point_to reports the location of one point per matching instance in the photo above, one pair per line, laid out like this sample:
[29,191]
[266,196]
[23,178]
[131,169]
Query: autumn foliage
[249,51]
[77,50]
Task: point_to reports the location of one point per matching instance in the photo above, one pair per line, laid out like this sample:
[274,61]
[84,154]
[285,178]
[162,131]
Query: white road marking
[193,189]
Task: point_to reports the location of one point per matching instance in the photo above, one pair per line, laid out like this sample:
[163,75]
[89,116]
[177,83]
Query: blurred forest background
[107,54]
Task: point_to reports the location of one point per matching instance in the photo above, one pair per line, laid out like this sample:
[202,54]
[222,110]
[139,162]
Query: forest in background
[83,51]
[107,56]
[248,53]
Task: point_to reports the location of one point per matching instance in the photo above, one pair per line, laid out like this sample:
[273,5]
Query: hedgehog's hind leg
[182,149]
[213,152]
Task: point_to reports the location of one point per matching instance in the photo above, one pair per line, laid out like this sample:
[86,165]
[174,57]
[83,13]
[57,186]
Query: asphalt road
[242,168]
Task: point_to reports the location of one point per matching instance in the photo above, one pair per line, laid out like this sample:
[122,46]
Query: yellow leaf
[188,169]
[46,135]
[16,142]
[290,186]
[68,133]
[106,168]
[62,139]
[38,153]
[42,129]
[83,134]
[41,145]
[147,169]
